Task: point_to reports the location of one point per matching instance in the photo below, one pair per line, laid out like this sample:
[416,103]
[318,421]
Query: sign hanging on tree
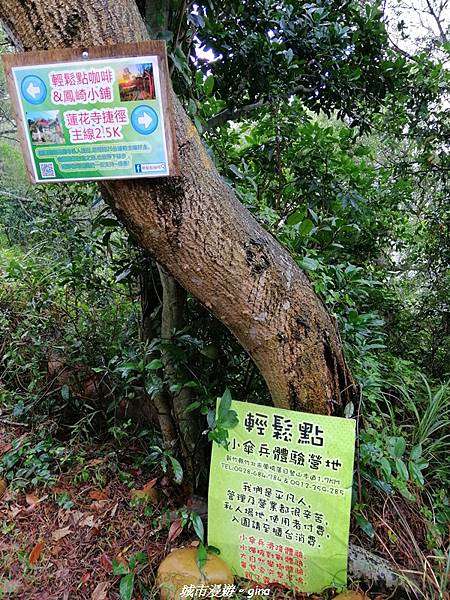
[98,113]
[279,496]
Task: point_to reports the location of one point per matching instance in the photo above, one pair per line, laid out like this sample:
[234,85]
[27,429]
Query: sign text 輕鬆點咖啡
[93,119]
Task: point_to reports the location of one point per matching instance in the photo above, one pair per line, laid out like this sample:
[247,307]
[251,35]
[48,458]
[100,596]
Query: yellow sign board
[279,497]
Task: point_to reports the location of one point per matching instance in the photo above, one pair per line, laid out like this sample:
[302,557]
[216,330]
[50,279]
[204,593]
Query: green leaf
[192,107]
[386,468]
[349,410]
[365,525]
[119,568]
[180,62]
[139,557]
[123,275]
[198,124]
[306,227]
[416,452]
[220,436]
[400,447]
[416,473]
[401,486]
[155,364]
[126,587]
[229,421]
[235,171]
[129,366]
[296,217]
[153,385]
[107,222]
[177,470]
[309,264]
[208,85]
[402,469]
[397,446]
[224,404]
[65,392]
[201,556]
[197,523]
[211,418]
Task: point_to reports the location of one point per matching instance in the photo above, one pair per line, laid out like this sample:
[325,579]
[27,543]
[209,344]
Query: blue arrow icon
[144,119]
[33,89]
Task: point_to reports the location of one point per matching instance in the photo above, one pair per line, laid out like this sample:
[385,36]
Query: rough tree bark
[196,228]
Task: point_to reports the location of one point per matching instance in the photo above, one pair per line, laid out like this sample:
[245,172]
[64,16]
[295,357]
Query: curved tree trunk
[196,228]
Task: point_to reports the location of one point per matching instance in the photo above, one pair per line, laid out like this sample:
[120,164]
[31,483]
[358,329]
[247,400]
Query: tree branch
[230,114]
[432,12]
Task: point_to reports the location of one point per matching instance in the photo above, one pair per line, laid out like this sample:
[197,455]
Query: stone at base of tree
[180,568]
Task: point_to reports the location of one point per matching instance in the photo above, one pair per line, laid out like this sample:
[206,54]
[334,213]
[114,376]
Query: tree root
[379,573]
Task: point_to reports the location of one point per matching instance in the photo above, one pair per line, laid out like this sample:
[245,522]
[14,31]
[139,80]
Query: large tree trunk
[201,234]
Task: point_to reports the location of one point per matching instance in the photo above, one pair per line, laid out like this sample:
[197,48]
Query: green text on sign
[94,119]
[279,497]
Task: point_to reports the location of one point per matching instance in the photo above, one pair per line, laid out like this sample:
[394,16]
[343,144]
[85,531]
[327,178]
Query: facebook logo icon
[138,168]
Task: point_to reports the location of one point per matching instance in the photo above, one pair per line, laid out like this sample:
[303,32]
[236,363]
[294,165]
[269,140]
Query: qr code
[47,169]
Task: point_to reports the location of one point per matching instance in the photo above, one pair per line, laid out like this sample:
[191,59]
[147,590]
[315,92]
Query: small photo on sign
[45,127]
[136,82]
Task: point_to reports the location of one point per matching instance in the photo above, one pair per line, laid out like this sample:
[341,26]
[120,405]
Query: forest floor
[60,542]
[64,541]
